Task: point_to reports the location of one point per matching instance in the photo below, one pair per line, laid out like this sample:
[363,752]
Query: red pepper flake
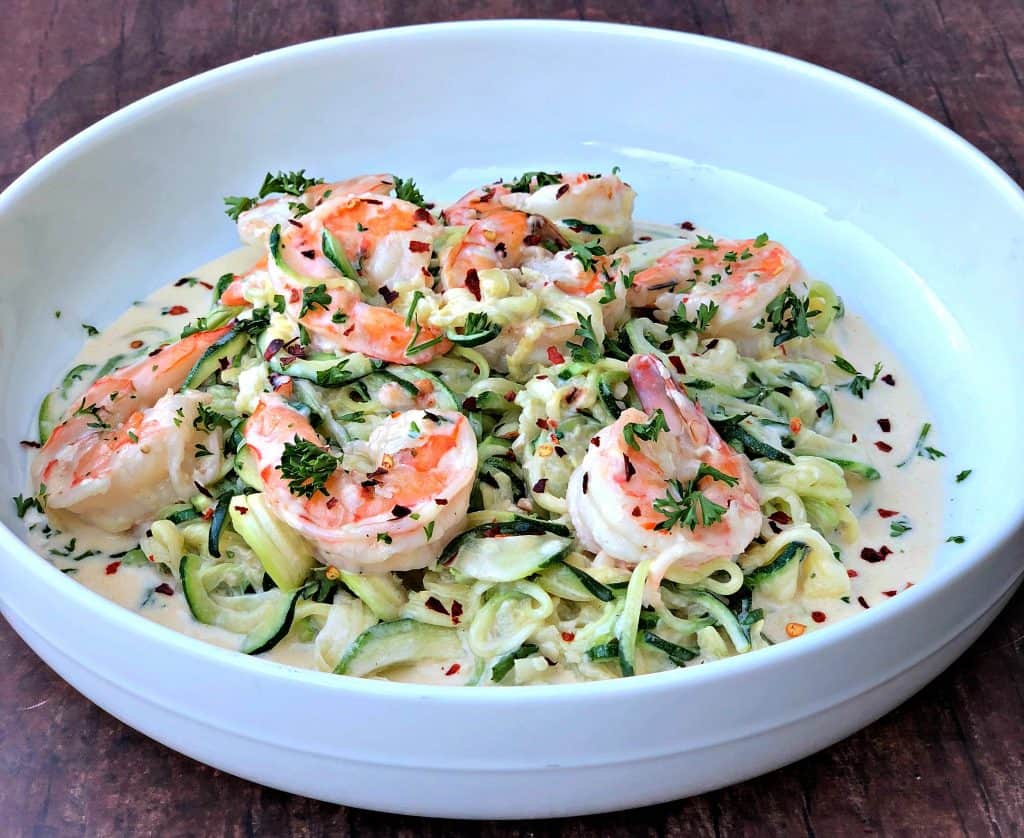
[469,403]
[852,573]
[870,554]
[441,501]
[863,602]
[400,511]
[586,481]
[795,425]
[309,254]
[176,310]
[156,351]
[224,363]
[561,190]
[636,512]
[559,451]
[510,396]
[883,446]
[887,513]
[111,568]
[136,344]
[630,469]
[781,517]
[372,201]
[294,295]
[568,636]
[571,395]
[453,669]
[885,425]
[853,437]
[456,611]
[554,356]
[165,589]
[419,247]
[272,348]
[818,616]
[677,364]
[687,225]
[473,283]
[888,379]
[890,593]
[540,485]
[434,604]
[423,215]
[542,423]
[595,441]
[295,223]
[821,409]
[29,443]
[332,502]
[388,295]
[242,510]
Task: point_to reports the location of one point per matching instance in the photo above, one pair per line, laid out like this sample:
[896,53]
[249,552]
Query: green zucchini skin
[400,641]
[227,346]
[794,550]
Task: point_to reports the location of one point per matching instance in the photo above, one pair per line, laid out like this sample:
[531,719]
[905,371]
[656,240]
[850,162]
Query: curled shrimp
[131,445]
[392,500]
[615,494]
[254,225]
[740,277]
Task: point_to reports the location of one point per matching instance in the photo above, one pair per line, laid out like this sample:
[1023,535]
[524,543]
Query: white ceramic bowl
[915,228]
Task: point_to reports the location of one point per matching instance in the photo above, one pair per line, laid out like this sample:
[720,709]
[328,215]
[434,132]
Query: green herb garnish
[686,506]
[648,431]
[307,467]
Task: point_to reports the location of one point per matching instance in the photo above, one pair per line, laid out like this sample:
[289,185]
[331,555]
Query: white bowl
[919,232]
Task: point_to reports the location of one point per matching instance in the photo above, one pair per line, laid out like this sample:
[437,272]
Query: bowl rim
[691,677]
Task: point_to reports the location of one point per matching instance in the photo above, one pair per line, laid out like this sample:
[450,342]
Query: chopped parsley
[963,475]
[899,527]
[648,431]
[94,411]
[288,183]
[202,451]
[761,240]
[307,467]
[956,539]
[860,383]
[314,297]
[23,505]
[609,293]
[91,331]
[586,253]
[589,351]
[679,324]
[333,376]
[686,506]
[524,182]
[406,190]
[578,226]
[383,536]
[787,315]
[429,530]
[207,419]
[922,450]
[705,243]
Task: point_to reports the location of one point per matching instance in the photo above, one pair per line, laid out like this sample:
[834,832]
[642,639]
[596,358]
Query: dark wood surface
[950,761]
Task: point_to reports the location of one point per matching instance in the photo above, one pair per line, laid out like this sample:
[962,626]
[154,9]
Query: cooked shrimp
[497,240]
[254,225]
[740,277]
[396,510]
[234,294]
[130,446]
[612,493]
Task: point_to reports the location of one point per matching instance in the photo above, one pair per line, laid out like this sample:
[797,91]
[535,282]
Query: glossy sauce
[914,492]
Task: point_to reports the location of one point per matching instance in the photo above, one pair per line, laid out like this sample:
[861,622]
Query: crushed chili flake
[687,225]
[818,616]
[136,344]
[434,604]
[795,629]
[795,424]
[568,636]
[510,396]
[561,190]
[586,481]
[853,437]
[224,363]
[629,468]
[388,295]
[559,450]
[821,409]
[295,223]
[30,443]
[883,446]
[554,356]
[441,501]
[372,201]
[888,379]
[885,425]
[453,669]
[890,593]
[852,573]
[400,511]
[332,502]
[272,348]
[309,254]
[473,283]
[423,215]
[863,602]
[540,485]
[294,295]
[677,364]
[156,351]
[242,510]
[176,310]
[780,517]
[419,247]
[542,423]
[111,568]
[636,512]
[456,611]
[870,554]
[595,441]
[887,513]
[165,589]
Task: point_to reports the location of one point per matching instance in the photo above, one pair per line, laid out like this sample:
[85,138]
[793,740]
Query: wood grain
[948,762]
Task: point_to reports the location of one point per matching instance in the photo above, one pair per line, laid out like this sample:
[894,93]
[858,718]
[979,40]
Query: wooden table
[950,761]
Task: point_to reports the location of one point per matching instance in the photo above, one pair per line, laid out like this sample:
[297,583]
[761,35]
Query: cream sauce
[914,492]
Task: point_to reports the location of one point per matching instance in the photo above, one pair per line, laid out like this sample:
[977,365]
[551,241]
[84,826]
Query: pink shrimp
[131,445]
[616,495]
[395,516]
